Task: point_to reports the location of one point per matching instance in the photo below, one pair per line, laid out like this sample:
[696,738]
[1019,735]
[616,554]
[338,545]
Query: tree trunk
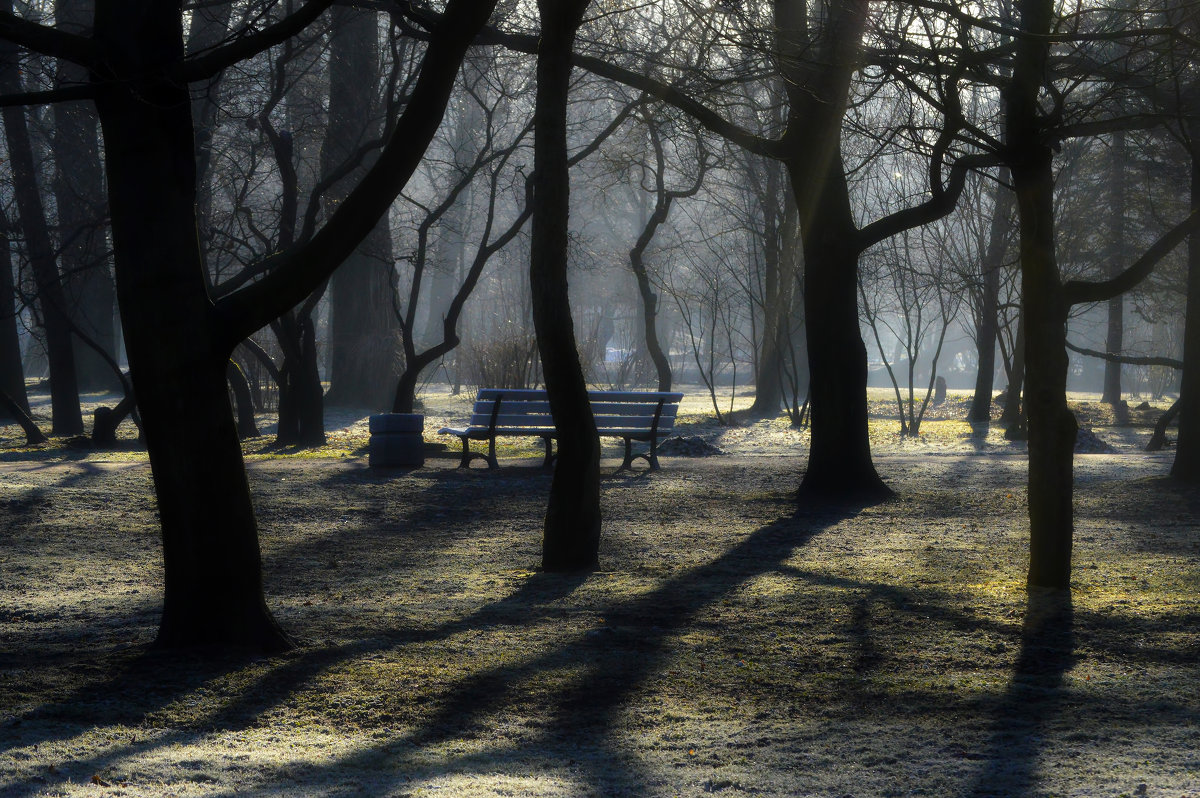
[1114,341]
[210,26]
[240,386]
[777,283]
[1052,426]
[571,535]
[839,458]
[212,569]
[1187,448]
[67,419]
[364,333]
[12,376]
[662,365]
[1013,413]
[78,196]
[817,71]
[10,409]
[987,328]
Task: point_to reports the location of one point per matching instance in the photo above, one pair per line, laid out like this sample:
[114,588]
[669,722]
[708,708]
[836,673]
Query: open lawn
[733,643]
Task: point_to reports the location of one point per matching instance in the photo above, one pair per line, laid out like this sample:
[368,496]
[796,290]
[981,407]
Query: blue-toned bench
[644,416]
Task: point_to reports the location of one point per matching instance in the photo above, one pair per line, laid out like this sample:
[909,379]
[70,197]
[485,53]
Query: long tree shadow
[619,660]
[1034,696]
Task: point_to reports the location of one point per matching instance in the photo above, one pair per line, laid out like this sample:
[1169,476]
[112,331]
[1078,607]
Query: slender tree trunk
[776,307]
[52,300]
[1114,342]
[1052,426]
[79,199]
[1187,449]
[364,333]
[987,328]
[213,579]
[571,535]
[210,25]
[10,409]
[1013,413]
[662,365]
[12,376]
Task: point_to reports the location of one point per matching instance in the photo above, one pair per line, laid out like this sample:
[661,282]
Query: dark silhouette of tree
[571,534]
[363,334]
[78,188]
[12,375]
[178,340]
[51,298]
[663,199]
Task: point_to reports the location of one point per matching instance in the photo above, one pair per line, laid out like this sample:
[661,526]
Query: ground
[733,642]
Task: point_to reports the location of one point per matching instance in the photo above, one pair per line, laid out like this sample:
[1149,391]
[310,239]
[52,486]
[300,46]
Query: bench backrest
[526,408]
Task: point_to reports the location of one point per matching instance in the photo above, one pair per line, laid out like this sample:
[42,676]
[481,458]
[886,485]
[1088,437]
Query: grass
[732,643]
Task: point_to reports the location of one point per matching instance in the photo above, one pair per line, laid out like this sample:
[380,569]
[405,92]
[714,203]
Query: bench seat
[644,416]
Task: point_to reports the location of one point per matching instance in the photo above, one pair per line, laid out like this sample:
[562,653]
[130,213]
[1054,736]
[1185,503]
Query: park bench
[646,416]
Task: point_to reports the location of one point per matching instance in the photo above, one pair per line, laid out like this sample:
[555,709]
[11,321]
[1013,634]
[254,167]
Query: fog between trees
[307,203]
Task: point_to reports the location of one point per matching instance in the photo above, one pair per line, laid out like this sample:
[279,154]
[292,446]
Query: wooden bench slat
[599,408]
[539,394]
[632,415]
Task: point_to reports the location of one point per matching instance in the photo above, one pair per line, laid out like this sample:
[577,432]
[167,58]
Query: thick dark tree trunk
[301,397]
[1114,341]
[1187,449]
[839,459]
[817,70]
[364,335]
[987,326]
[240,386]
[12,376]
[79,198]
[64,392]
[1052,426]
[571,536]
[212,569]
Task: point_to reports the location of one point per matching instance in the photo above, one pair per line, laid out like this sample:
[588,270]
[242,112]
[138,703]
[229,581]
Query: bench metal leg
[628,461]
[549,444]
[651,457]
[469,456]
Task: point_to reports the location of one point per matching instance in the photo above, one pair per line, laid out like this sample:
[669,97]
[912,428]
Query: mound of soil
[688,446]
[1088,442]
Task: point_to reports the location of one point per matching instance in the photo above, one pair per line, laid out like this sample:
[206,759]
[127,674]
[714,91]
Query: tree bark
[987,328]
[1186,466]
[240,386]
[776,304]
[364,334]
[9,408]
[817,69]
[1013,414]
[1052,426]
[67,419]
[12,376]
[78,197]
[301,396]
[1114,341]
[213,591]
[571,534]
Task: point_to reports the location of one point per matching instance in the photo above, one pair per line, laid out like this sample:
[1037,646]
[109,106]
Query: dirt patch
[733,643]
